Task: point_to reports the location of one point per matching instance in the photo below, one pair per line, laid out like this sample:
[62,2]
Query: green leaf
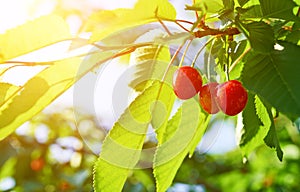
[261,36]
[184,132]
[294,36]
[278,9]
[43,88]
[122,147]
[150,62]
[33,35]
[253,11]
[209,6]
[143,12]
[6,91]
[253,135]
[271,139]
[275,77]
[251,121]
[242,2]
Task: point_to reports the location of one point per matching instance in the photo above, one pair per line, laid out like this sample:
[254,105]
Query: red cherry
[231,97]
[187,82]
[207,97]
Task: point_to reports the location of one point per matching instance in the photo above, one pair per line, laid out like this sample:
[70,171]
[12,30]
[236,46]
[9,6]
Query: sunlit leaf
[104,23]
[151,62]
[122,147]
[6,91]
[32,35]
[209,6]
[185,130]
[275,77]
[43,88]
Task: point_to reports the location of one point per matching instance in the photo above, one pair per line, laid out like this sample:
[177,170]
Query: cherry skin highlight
[187,82]
[231,97]
[207,98]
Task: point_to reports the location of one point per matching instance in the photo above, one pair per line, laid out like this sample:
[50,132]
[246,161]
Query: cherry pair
[230,97]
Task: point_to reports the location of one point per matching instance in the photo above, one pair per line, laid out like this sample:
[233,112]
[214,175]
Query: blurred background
[52,153]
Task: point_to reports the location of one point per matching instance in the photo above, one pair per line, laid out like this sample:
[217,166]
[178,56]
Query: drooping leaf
[104,23]
[43,88]
[271,139]
[251,121]
[184,132]
[32,35]
[255,135]
[122,147]
[261,36]
[275,77]
[279,9]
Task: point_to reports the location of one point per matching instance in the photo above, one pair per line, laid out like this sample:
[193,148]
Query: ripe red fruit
[187,82]
[207,98]
[231,97]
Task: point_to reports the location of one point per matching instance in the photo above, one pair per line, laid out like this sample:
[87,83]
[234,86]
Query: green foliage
[278,9]
[276,77]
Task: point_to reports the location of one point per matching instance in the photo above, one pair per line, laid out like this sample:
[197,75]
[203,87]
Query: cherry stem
[227,48]
[173,59]
[208,59]
[200,50]
[185,52]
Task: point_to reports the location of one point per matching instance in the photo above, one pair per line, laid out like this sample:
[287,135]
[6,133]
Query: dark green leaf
[275,77]
[255,133]
[278,9]
[271,139]
[251,121]
[242,2]
[261,36]
[294,36]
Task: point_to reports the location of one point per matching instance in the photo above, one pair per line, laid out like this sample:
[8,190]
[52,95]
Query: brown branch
[210,31]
